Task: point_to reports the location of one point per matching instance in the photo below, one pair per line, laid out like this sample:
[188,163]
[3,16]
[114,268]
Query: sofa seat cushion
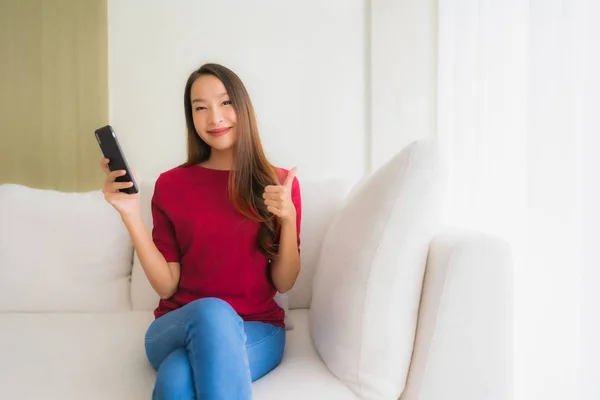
[101,356]
[302,374]
[74,356]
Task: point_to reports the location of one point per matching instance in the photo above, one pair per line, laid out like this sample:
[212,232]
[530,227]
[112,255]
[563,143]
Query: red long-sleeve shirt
[196,225]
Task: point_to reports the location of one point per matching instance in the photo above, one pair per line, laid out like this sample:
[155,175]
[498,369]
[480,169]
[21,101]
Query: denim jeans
[204,350]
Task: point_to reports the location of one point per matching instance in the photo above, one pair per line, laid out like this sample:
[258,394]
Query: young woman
[225,239]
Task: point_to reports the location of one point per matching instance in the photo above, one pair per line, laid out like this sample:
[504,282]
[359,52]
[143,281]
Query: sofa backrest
[69,252]
[320,200]
[61,252]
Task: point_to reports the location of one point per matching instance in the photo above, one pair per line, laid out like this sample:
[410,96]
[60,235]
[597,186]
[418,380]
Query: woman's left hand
[278,199]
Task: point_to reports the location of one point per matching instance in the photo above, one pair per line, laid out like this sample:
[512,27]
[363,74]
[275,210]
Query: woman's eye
[200,108]
[227,102]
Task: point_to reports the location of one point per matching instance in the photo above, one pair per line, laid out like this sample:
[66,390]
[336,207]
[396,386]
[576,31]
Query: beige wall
[54,92]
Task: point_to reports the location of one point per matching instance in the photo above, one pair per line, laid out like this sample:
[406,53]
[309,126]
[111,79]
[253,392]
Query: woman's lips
[219,132]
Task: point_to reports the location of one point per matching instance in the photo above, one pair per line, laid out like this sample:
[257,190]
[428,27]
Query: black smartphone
[109,144]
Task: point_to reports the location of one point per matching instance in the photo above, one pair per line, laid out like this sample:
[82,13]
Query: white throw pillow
[62,252]
[367,286]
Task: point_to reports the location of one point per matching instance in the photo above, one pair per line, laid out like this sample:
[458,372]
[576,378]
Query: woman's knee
[174,378]
[214,312]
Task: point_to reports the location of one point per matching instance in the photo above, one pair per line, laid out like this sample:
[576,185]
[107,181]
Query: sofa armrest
[463,345]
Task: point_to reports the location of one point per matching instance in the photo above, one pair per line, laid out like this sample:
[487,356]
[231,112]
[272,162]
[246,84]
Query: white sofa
[75,304]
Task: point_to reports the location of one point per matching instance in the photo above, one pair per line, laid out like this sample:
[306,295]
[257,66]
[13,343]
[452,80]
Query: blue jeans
[204,350]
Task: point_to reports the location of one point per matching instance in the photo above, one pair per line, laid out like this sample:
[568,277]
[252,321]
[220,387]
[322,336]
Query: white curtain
[517,120]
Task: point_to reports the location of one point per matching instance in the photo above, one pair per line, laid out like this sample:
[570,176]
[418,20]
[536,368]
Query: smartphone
[109,144]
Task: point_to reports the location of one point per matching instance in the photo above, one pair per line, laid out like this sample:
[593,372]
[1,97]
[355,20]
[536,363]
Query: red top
[196,225]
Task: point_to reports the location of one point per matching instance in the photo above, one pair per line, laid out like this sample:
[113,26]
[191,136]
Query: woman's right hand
[128,205]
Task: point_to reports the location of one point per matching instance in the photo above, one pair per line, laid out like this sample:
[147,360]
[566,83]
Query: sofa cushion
[62,252]
[70,356]
[321,200]
[302,374]
[143,296]
[368,281]
[101,356]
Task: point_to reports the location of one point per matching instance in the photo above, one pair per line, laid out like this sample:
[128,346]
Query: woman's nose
[215,116]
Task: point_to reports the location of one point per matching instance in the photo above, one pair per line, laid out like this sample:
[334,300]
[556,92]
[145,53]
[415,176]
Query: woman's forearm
[286,267]
[156,268]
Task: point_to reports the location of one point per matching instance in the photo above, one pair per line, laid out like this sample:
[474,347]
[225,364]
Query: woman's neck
[221,160]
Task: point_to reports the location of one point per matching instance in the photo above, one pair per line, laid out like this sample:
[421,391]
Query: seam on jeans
[149,339]
[275,331]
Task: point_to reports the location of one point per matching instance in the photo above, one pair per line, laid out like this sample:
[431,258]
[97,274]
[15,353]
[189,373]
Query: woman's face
[213,114]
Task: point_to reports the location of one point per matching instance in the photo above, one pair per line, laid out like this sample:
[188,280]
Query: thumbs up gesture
[278,199]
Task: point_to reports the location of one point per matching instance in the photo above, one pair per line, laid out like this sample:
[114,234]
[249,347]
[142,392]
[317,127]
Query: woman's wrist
[131,219]
[290,220]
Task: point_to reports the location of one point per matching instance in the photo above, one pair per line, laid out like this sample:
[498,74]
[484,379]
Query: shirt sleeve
[163,232]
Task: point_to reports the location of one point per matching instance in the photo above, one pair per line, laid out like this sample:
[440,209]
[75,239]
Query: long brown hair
[251,172]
